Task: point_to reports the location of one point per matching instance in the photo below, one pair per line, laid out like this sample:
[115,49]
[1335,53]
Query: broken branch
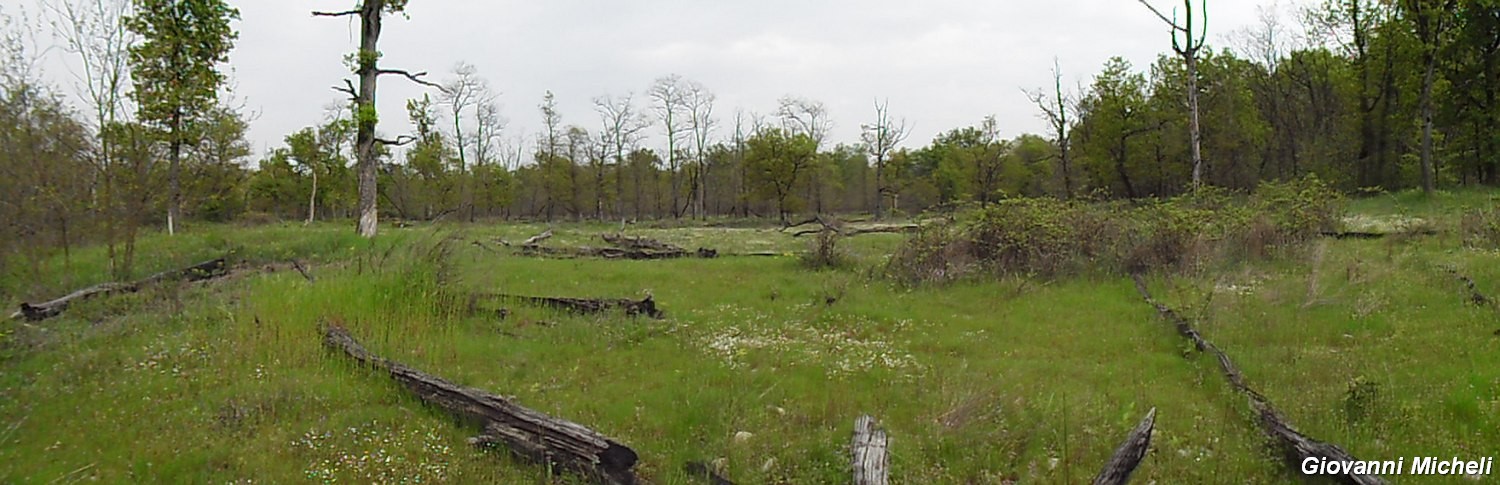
[1130,453]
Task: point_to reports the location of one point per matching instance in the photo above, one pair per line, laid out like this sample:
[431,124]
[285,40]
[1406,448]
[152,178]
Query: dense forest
[1365,95]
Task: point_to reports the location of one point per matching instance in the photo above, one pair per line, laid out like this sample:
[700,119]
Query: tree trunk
[879,187]
[871,462]
[174,198]
[312,200]
[365,116]
[1429,178]
[1194,133]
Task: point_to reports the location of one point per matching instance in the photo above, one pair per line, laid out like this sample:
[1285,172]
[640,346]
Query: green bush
[1052,238]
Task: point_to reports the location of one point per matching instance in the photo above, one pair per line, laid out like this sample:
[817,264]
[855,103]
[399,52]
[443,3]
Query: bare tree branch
[335,14]
[348,89]
[1170,23]
[399,141]
[414,77]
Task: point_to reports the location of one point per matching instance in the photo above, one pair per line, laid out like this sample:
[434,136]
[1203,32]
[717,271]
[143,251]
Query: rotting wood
[298,266]
[870,461]
[1475,296]
[638,242]
[1295,445]
[703,471]
[537,239]
[616,253]
[843,229]
[210,269]
[530,434]
[1130,453]
[645,306]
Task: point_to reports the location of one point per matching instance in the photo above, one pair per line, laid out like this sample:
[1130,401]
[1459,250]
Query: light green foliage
[776,161]
[175,67]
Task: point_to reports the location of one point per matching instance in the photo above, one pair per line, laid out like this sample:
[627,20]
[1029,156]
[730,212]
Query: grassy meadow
[760,366]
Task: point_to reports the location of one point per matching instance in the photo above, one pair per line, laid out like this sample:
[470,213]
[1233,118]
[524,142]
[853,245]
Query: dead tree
[370,13]
[1187,48]
[880,140]
[1130,453]
[1295,445]
[529,434]
[871,463]
[1055,107]
[41,311]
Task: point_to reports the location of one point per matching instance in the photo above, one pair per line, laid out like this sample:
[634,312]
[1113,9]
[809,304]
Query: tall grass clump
[1053,238]
[1481,228]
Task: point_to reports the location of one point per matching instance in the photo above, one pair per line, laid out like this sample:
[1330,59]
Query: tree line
[1366,95]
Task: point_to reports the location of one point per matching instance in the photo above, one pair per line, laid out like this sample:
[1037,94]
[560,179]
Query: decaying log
[705,472]
[537,239]
[1130,453]
[616,253]
[638,242]
[645,306]
[298,266]
[527,433]
[1475,296]
[843,229]
[870,461]
[531,240]
[41,311]
[1295,445]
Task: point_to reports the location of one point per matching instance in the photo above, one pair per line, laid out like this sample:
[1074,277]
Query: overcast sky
[941,63]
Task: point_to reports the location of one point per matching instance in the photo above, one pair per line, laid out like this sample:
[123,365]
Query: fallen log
[617,253]
[645,306]
[530,434]
[638,242]
[537,239]
[1130,453]
[870,462]
[213,268]
[1296,446]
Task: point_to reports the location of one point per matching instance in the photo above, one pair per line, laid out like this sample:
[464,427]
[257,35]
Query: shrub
[1051,238]
[1481,228]
[825,253]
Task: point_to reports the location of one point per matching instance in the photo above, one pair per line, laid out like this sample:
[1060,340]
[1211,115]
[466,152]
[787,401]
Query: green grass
[976,383]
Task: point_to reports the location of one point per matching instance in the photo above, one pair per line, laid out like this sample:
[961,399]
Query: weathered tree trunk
[365,115]
[1296,446]
[527,433]
[1130,453]
[48,309]
[870,461]
[1195,133]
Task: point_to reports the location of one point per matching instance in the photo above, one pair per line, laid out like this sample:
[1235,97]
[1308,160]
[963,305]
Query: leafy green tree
[777,162]
[1114,114]
[175,70]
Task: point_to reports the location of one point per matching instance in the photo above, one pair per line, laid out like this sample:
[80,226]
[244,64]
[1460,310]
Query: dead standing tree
[880,140]
[1187,48]
[1055,107]
[370,14]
